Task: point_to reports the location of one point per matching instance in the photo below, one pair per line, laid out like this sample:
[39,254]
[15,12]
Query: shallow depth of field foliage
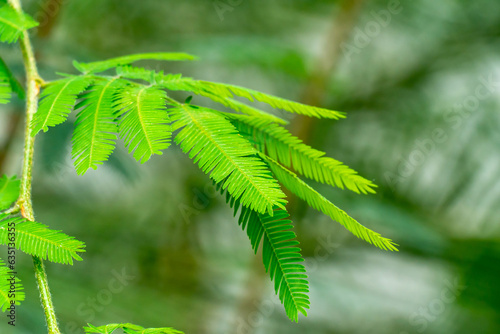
[420,96]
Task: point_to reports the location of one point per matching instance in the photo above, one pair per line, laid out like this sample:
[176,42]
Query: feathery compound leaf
[228,91]
[129,329]
[36,239]
[13,23]
[94,135]
[320,203]
[280,145]
[9,191]
[280,254]
[10,288]
[144,122]
[178,82]
[8,84]
[57,101]
[213,142]
[100,66]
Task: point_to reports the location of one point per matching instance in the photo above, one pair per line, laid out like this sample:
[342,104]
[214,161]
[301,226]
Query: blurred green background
[420,83]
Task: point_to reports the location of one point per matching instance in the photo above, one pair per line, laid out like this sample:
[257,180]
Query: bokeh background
[420,83]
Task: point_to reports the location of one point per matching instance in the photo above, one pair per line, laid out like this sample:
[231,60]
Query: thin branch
[33,83]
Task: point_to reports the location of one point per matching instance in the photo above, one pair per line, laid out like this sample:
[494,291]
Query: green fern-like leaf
[144,122]
[129,329]
[13,23]
[11,289]
[279,144]
[220,151]
[9,191]
[101,66]
[320,203]
[38,240]
[57,101]
[220,90]
[280,255]
[95,130]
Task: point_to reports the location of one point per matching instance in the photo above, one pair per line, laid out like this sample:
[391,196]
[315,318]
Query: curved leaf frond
[38,240]
[11,289]
[280,254]
[281,145]
[95,129]
[178,82]
[229,91]
[9,191]
[213,143]
[13,24]
[101,66]
[320,203]
[57,101]
[144,122]
[129,329]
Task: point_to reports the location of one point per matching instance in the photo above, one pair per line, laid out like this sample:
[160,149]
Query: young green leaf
[101,66]
[9,191]
[220,90]
[129,329]
[95,129]
[13,23]
[280,254]
[11,289]
[143,121]
[281,145]
[320,203]
[57,101]
[38,240]
[8,84]
[213,142]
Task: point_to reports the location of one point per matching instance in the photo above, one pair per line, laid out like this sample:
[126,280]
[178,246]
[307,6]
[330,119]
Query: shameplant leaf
[129,329]
[13,23]
[38,240]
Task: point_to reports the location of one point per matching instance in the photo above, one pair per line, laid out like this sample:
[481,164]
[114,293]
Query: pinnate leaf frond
[129,329]
[13,24]
[57,101]
[213,143]
[143,120]
[38,240]
[95,129]
[320,203]
[275,141]
[101,66]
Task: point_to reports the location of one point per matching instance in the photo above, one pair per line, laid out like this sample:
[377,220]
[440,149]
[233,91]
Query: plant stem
[33,83]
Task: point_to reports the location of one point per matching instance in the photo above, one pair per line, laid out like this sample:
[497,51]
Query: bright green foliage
[129,329]
[289,150]
[216,146]
[101,66]
[12,24]
[57,101]
[5,288]
[8,84]
[320,203]
[280,255]
[240,151]
[144,123]
[36,239]
[9,191]
[229,91]
[94,135]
